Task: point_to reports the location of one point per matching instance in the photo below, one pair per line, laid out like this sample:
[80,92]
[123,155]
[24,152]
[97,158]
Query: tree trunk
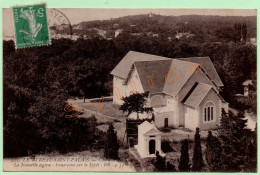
[84,98]
[137,115]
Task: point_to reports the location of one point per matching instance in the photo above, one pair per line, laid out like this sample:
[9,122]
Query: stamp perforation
[14,25]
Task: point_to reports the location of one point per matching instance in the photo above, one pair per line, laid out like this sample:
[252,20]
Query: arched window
[157,101]
[209,112]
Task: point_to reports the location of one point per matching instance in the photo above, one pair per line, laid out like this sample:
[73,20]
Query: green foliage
[197,160]
[132,128]
[184,165]
[111,144]
[166,147]
[136,103]
[37,81]
[213,153]
[252,98]
[160,163]
[170,167]
[34,102]
[237,144]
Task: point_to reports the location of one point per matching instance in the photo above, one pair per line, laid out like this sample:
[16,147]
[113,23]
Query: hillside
[204,28]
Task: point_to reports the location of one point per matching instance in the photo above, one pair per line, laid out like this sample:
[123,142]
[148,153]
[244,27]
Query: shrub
[165,130]
[131,141]
[197,160]
[160,163]
[166,147]
[184,165]
[111,144]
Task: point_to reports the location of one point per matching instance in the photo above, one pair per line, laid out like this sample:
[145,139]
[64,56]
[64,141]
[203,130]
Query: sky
[103,14]
[77,15]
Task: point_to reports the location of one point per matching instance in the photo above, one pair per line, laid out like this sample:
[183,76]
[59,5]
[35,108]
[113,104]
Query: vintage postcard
[129,90]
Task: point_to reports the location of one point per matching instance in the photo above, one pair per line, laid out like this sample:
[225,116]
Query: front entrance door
[166,122]
[152,147]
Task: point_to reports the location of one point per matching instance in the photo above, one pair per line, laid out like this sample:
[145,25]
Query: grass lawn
[108,109]
[109,114]
[174,156]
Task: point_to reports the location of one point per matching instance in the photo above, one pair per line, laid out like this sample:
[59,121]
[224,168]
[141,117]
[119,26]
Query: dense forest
[205,28]
[39,80]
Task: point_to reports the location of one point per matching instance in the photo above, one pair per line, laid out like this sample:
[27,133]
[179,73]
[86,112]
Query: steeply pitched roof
[147,126]
[156,70]
[206,65]
[157,67]
[197,95]
[183,74]
[124,66]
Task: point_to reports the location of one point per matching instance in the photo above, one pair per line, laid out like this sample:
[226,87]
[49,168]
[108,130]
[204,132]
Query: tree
[237,143]
[184,165]
[111,144]
[213,153]
[170,167]
[251,155]
[92,128]
[197,160]
[136,103]
[244,32]
[252,97]
[160,163]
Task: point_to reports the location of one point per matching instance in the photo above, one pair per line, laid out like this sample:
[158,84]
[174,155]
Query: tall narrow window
[209,112]
[205,114]
[166,122]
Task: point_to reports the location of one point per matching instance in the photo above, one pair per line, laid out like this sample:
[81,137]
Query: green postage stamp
[30,25]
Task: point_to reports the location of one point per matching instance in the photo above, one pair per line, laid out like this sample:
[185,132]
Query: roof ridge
[194,57]
[206,84]
[209,67]
[151,60]
[204,95]
[184,82]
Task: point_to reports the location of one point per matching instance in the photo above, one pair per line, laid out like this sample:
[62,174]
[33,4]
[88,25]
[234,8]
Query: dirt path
[102,115]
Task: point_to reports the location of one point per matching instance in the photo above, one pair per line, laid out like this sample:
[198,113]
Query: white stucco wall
[141,140]
[119,89]
[181,115]
[165,106]
[147,132]
[211,97]
[191,118]
[160,118]
[199,77]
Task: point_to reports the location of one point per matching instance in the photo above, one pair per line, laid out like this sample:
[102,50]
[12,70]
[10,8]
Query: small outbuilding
[246,85]
[149,140]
